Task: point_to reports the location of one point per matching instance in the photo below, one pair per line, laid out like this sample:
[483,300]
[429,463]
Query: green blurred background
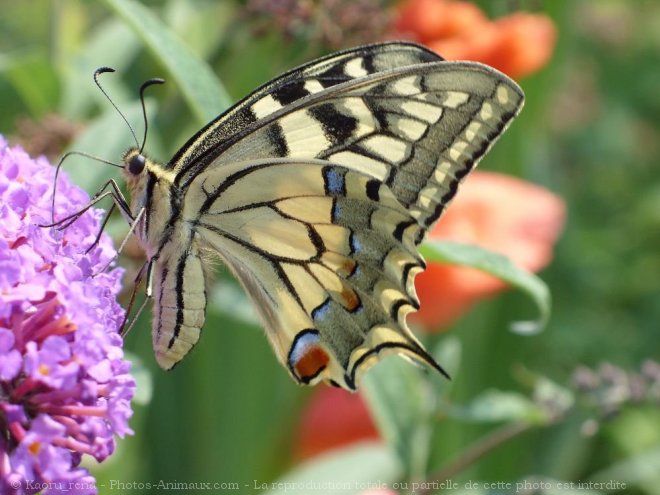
[229,414]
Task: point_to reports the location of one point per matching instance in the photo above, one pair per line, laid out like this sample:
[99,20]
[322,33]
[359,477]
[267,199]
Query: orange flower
[497,212]
[518,44]
[333,418]
[428,20]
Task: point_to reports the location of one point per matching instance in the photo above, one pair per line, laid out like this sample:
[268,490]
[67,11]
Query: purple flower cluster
[65,388]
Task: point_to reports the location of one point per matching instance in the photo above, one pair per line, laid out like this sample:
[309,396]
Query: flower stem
[476,451]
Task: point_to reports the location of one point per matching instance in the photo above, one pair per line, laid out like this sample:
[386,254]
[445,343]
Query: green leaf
[500,266]
[636,435]
[228,297]
[641,470]
[348,471]
[203,91]
[34,79]
[497,405]
[448,354]
[112,44]
[401,405]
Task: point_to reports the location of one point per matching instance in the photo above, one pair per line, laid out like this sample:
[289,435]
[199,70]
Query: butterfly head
[136,170]
[134,163]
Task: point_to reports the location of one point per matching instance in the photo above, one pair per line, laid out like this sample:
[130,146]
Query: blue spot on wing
[321,311]
[336,211]
[356,245]
[334,181]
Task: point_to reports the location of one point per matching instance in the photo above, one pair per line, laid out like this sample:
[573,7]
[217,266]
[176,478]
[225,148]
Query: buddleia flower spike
[65,387]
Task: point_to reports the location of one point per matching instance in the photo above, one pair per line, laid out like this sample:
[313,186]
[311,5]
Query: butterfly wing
[317,200]
[420,129]
[314,77]
[317,246]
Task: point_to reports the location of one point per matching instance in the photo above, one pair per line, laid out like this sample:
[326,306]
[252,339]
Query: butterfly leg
[117,197]
[118,201]
[121,247]
[103,224]
[148,268]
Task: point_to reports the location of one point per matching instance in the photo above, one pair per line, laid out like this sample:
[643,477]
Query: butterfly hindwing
[318,248]
[179,293]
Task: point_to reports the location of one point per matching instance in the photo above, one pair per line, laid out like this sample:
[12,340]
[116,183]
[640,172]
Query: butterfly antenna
[144,86]
[97,73]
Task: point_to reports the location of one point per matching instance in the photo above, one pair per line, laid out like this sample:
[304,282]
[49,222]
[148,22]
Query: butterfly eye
[136,164]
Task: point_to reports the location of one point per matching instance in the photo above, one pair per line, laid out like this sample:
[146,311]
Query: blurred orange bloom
[518,44]
[333,418]
[497,212]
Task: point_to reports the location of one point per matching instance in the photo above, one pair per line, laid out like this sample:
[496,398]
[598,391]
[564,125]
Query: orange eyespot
[311,363]
[307,358]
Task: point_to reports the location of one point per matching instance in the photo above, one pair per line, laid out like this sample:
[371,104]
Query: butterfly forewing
[315,191]
[420,129]
[296,84]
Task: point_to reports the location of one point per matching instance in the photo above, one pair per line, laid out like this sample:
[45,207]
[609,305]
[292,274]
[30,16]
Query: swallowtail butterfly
[315,191]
